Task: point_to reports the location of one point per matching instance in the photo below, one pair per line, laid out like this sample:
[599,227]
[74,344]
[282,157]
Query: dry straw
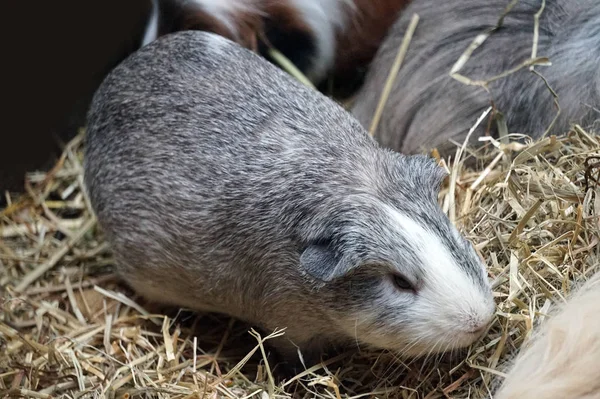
[69,328]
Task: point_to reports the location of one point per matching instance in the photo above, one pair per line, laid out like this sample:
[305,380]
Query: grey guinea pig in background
[225,185]
[427,107]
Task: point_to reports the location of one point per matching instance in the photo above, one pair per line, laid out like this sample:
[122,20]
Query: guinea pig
[225,185]
[317,36]
[561,360]
[428,108]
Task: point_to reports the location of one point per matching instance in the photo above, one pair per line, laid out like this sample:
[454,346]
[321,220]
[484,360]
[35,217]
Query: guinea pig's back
[174,166]
[199,152]
[165,126]
[185,94]
[193,98]
[428,107]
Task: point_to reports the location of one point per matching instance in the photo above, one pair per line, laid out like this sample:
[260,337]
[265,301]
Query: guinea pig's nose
[476,326]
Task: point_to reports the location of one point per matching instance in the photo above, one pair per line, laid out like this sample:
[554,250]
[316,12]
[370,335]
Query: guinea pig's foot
[290,360]
[287,360]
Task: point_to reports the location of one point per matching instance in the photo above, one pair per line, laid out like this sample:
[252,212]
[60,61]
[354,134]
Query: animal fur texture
[562,359]
[427,108]
[225,185]
[318,36]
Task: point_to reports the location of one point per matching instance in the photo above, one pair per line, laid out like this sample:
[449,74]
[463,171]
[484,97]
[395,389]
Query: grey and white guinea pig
[561,359]
[318,36]
[225,185]
[427,107]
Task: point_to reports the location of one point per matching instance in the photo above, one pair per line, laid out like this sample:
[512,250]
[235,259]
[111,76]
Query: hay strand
[389,83]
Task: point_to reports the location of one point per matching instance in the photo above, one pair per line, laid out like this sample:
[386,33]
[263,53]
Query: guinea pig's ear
[320,261]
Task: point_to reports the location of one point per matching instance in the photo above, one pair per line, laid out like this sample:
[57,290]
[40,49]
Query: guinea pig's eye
[402,283]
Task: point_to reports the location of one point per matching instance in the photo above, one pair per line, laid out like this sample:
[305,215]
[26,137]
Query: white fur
[448,306]
[562,359]
[452,297]
[325,18]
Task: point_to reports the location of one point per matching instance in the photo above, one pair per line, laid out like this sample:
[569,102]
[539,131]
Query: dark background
[55,54]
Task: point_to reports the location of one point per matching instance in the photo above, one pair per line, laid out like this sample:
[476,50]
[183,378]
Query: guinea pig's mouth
[444,344]
[467,338]
[477,332]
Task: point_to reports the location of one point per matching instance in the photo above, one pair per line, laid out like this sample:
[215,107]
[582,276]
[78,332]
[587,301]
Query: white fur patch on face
[449,296]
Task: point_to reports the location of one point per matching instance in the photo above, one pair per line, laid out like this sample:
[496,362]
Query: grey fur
[427,107]
[224,185]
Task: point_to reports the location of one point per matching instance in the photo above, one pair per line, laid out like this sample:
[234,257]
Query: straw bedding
[69,328]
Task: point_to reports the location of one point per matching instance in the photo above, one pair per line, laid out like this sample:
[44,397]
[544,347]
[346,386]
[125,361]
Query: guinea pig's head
[395,271]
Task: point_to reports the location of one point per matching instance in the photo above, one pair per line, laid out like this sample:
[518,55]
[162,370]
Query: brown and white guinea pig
[427,107]
[318,36]
[562,359]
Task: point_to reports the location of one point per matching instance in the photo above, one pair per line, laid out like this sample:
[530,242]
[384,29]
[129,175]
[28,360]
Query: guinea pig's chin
[466,339]
[435,346]
[420,345]
[428,343]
